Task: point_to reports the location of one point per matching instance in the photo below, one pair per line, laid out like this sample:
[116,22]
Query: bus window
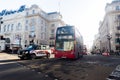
[65,46]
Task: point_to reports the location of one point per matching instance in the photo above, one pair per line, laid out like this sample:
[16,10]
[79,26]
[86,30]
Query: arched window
[33,11]
[19,26]
[4,28]
[32,28]
[12,27]
[8,27]
[26,27]
[27,13]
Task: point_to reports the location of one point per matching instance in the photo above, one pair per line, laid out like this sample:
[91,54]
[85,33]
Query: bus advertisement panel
[68,43]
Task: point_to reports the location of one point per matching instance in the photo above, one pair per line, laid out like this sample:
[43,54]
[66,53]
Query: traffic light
[2,38]
[1,22]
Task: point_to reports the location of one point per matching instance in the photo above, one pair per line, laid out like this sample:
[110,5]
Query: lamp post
[0,23]
[20,42]
[100,47]
[109,38]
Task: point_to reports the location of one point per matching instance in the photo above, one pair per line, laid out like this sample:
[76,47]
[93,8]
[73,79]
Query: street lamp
[109,38]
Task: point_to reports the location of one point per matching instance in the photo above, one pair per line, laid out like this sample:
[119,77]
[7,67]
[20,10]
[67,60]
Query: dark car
[25,53]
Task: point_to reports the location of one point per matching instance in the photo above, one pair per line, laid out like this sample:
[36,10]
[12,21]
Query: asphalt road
[90,67]
[10,69]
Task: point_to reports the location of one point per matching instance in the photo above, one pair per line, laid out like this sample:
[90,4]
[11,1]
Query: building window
[41,21]
[32,34]
[33,11]
[4,28]
[26,27]
[52,25]
[8,27]
[27,13]
[52,35]
[117,34]
[26,21]
[117,40]
[118,28]
[0,29]
[12,27]
[45,29]
[52,43]
[32,28]
[42,35]
[52,31]
[42,28]
[117,7]
[117,47]
[18,27]
[118,17]
[33,21]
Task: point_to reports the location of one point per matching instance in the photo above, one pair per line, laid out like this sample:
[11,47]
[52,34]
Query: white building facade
[29,25]
[96,44]
[109,29]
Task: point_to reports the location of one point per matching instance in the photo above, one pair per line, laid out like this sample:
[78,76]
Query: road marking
[6,63]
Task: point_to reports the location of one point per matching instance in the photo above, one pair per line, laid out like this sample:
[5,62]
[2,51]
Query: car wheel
[33,56]
[21,58]
[48,55]
[81,55]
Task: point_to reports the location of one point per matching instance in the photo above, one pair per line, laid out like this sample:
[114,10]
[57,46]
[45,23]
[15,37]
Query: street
[10,69]
[90,67]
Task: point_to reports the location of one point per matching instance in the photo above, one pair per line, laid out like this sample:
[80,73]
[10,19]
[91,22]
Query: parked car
[33,52]
[106,54]
[25,53]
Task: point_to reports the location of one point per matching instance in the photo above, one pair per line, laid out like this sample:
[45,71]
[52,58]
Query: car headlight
[26,52]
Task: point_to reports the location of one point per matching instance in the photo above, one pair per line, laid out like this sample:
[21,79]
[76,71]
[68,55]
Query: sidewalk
[6,56]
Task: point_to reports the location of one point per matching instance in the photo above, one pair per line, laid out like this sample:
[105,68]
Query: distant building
[96,44]
[109,29]
[29,25]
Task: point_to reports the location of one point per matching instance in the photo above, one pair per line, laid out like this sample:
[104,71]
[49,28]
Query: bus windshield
[65,30]
[65,45]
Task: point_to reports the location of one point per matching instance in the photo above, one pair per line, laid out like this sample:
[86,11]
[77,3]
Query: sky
[84,14]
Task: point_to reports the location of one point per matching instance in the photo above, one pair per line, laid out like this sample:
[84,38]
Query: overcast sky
[84,14]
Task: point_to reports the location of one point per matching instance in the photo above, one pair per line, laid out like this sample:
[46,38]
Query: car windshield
[29,47]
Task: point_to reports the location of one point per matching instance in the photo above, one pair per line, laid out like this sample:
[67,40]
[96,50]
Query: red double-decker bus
[68,43]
